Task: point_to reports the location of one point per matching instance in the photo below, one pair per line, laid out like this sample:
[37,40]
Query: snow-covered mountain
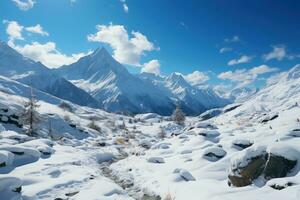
[17,67]
[238,94]
[191,99]
[120,91]
[110,83]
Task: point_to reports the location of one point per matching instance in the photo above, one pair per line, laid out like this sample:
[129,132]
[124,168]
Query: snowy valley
[81,149]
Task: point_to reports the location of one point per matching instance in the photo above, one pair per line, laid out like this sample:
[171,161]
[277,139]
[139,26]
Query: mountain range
[99,81]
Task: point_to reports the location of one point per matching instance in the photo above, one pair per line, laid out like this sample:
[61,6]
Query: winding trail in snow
[127,184]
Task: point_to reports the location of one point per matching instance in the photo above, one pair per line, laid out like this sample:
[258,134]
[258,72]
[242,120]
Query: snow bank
[9,183]
[6,157]
[20,150]
[14,136]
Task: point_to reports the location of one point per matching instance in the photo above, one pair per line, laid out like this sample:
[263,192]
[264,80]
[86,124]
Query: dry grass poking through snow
[169,197]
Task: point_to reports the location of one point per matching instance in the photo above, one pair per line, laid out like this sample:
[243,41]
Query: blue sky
[226,42]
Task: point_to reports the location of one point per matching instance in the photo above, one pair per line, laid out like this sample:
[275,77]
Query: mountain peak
[101,52]
[176,77]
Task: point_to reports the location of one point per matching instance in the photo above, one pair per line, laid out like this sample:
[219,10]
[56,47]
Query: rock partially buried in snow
[242,144]
[14,136]
[214,153]
[209,133]
[146,144]
[251,164]
[187,151]
[156,160]
[186,175]
[6,158]
[163,145]
[278,166]
[205,125]
[105,157]
[12,184]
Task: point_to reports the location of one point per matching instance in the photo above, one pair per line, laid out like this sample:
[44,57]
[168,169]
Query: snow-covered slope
[247,151]
[251,151]
[17,67]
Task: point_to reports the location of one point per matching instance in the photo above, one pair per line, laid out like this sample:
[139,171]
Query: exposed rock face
[278,166]
[267,165]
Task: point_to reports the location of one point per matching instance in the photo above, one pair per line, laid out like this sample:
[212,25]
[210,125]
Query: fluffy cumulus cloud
[196,78]
[47,54]
[24,4]
[13,30]
[38,29]
[242,59]
[278,53]
[152,66]
[245,77]
[126,49]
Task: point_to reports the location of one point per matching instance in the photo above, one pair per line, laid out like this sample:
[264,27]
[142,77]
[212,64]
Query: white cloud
[125,7]
[245,77]
[225,49]
[24,4]
[242,59]
[196,78]
[47,54]
[125,49]
[13,30]
[38,29]
[262,69]
[278,53]
[152,66]
[233,39]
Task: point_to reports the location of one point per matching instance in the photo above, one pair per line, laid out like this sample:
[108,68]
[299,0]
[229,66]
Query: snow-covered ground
[248,151]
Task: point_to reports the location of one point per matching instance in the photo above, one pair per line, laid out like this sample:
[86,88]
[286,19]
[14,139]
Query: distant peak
[175,76]
[101,52]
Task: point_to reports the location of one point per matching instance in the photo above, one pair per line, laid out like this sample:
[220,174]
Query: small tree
[65,106]
[93,124]
[30,116]
[161,134]
[178,116]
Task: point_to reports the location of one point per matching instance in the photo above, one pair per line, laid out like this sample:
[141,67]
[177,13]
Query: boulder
[267,165]
[184,174]
[244,176]
[278,166]
[187,176]
[242,144]
[145,143]
[214,153]
[156,160]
